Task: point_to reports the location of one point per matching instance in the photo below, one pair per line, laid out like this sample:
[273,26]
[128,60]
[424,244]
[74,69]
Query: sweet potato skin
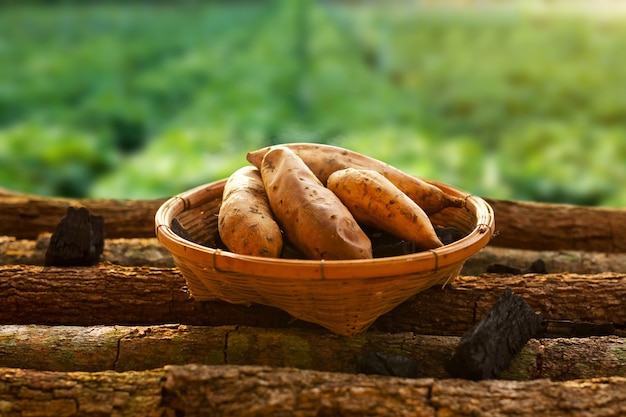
[312,217]
[323,160]
[377,202]
[246,223]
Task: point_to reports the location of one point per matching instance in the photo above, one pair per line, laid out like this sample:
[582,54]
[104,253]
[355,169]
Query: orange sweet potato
[246,224]
[323,160]
[312,217]
[376,202]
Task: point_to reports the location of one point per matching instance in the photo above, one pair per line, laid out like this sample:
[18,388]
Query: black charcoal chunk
[78,239]
[537,267]
[448,235]
[503,269]
[377,363]
[180,230]
[487,349]
[401,247]
[385,244]
[566,328]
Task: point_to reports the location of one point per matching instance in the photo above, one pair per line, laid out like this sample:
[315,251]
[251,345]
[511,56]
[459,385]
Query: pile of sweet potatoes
[324,202]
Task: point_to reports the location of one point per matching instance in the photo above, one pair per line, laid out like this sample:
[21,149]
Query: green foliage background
[142,99]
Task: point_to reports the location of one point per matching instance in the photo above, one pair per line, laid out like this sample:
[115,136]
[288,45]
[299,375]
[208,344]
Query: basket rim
[225,262]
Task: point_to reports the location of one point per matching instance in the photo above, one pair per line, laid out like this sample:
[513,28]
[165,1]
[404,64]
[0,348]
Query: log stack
[124,338]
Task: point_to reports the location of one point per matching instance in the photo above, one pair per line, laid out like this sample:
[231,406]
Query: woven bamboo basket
[345,296]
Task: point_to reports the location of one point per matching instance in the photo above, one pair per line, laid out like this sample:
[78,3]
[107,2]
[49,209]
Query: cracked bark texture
[110,294]
[565,227]
[259,391]
[67,394]
[136,348]
[149,252]
[227,390]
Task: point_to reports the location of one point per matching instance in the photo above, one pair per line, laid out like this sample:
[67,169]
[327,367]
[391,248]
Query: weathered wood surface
[149,252]
[26,216]
[524,225]
[136,348]
[580,245]
[122,251]
[268,391]
[69,394]
[574,261]
[541,226]
[112,294]
[227,390]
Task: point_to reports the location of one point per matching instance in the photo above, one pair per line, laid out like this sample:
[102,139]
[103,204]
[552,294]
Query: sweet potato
[326,159]
[245,222]
[312,217]
[374,201]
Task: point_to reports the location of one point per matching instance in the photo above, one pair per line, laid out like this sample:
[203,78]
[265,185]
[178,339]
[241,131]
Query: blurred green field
[147,100]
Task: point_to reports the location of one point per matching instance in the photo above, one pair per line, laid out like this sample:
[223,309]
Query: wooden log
[136,348]
[149,252]
[264,391]
[35,393]
[227,390]
[562,227]
[595,298]
[541,226]
[111,294]
[573,261]
[26,216]
[122,251]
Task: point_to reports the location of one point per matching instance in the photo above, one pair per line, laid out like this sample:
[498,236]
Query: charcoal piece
[78,239]
[377,363]
[537,267]
[180,230]
[385,244]
[566,328]
[290,251]
[487,349]
[401,247]
[448,235]
[503,269]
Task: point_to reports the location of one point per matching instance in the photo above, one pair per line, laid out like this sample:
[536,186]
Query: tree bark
[270,391]
[122,251]
[573,261]
[137,348]
[60,394]
[149,252]
[26,216]
[541,226]
[120,370]
[199,390]
[523,225]
[595,298]
[110,294]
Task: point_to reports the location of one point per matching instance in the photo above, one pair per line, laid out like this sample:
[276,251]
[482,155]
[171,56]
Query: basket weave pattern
[345,296]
